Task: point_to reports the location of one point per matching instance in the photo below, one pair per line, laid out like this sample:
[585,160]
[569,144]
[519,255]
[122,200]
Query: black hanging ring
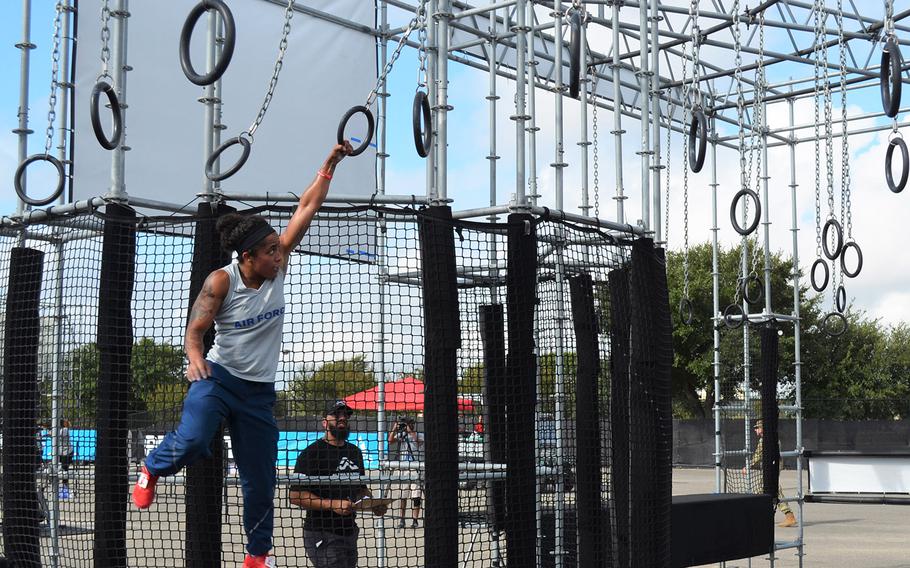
[420,112]
[227,49]
[370,126]
[103,86]
[840,299]
[839,239]
[859,261]
[575,54]
[210,163]
[905,165]
[698,125]
[20,172]
[890,77]
[829,329]
[815,285]
[759,294]
[685,311]
[745,192]
[730,319]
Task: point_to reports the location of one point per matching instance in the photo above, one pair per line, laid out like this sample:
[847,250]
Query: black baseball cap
[338,406]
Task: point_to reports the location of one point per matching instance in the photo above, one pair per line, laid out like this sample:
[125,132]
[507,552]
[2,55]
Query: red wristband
[321,173]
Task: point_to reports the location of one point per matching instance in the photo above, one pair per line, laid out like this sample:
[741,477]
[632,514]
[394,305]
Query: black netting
[527,426]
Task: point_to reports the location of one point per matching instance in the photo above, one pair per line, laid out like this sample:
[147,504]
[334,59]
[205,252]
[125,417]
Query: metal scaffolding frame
[632,68]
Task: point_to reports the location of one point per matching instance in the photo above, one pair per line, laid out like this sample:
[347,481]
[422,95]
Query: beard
[339,432]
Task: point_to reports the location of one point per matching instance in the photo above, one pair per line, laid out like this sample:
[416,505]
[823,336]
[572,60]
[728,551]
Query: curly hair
[234,228]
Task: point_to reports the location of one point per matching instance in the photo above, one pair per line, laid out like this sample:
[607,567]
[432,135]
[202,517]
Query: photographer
[405,444]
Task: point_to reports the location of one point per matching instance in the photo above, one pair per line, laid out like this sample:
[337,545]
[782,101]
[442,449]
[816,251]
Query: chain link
[817,60]
[55,71]
[758,125]
[595,143]
[371,98]
[105,40]
[889,18]
[846,206]
[279,63]
[422,40]
[670,109]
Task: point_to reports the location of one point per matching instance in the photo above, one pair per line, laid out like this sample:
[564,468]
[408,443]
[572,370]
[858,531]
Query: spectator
[405,444]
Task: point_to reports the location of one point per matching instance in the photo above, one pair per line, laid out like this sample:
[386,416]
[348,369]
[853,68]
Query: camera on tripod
[402,423]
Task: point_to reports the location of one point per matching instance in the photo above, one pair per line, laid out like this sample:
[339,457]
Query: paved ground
[836,535]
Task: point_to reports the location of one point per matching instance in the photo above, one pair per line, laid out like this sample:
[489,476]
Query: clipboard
[370,503]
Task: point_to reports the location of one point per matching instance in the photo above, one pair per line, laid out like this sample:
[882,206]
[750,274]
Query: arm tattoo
[202,307]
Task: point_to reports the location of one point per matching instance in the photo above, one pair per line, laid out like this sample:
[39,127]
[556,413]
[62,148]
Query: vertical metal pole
[118,159]
[208,124]
[531,128]
[797,360]
[22,131]
[617,118]
[715,284]
[67,84]
[520,198]
[644,87]
[766,211]
[217,105]
[432,57]
[382,268]
[442,105]
[56,390]
[583,111]
[655,112]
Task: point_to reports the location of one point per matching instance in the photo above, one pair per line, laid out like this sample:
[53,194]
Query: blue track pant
[248,409]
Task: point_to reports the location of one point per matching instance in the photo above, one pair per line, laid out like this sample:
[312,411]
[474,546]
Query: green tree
[471,381]
[307,393]
[154,366]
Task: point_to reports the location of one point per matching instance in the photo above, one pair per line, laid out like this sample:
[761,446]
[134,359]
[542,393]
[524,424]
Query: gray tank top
[248,328]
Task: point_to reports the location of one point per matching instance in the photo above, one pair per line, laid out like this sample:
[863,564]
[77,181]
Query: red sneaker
[144,490]
[264,561]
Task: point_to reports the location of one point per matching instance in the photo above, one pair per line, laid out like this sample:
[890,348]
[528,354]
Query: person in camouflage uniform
[755,464]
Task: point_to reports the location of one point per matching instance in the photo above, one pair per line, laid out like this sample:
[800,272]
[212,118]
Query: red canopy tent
[402,395]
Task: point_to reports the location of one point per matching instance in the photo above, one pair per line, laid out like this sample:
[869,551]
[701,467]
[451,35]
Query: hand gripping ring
[843,261]
[210,163]
[685,311]
[103,86]
[890,78]
[370,126]
[730,319]
[20,172]
[421,113]
[829,329]
[839,239]
[905,165]
[815,285]
[698,126]
[227,50]
[759,294]
[575,54]
[840,299]
[745,192]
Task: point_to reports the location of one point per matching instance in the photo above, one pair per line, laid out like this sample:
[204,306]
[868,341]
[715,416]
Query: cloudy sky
[878,214]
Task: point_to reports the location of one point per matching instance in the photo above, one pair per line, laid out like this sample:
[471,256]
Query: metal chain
[105,40]
[817,61]
[758,125]
[670,109]
[371,98]
[846,206]
[889,18]
[422,41]
[55,71]
[829,163]
[273,82]
[594,141]
[740,101]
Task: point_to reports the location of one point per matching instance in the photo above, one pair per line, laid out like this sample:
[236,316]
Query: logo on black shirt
[347,465]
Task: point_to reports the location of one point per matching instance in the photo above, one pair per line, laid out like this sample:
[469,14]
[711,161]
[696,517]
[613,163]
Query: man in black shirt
[330,529]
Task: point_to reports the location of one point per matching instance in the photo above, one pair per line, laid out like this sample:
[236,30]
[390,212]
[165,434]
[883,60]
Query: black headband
[253,237]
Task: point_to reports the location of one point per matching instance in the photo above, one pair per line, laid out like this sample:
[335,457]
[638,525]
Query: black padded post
[495,396]
[205,478]
[770,464]
[442,338]
[115,346]
[20,409]
[651,435]
[521,371]
[620,323]
[593,521]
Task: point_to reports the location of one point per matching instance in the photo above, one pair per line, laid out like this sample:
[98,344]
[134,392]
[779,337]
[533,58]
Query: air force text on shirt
[264,316]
